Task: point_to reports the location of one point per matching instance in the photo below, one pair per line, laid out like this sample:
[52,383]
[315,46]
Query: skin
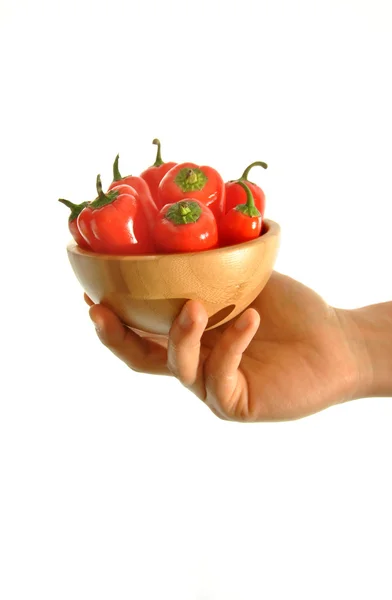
[287,356]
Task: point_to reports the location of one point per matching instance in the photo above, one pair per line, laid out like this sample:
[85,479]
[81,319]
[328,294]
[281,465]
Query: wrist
[368,331]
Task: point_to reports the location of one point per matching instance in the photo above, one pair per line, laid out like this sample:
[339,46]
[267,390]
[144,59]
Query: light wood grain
[148,292]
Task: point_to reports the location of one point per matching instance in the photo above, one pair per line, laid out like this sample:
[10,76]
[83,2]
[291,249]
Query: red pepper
[154,174]
[242,223]
[236,195]
[141,187]
[189,180]
[115,223]
[76,209]
[185,226]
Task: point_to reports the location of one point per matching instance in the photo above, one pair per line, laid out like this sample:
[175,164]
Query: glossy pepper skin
[141,187]
[76,209]
[154,174]
[235,193]
[185,226]
[115,223]
[241,223]
[200,183]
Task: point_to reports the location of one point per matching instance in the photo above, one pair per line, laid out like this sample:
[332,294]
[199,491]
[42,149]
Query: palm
[292,362]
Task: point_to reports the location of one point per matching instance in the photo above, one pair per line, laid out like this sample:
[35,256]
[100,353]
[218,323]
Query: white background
[119,485]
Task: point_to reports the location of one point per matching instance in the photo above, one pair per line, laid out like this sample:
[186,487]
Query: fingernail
[185,320]
[242,322]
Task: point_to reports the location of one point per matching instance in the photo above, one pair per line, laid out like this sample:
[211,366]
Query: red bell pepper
[200,183]
[235,194]
[154,174]
[185,226]
[141,187]
[241,223]
[115,223]
[76,209]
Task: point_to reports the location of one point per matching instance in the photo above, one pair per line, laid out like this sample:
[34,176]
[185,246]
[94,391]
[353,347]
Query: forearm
[369,333]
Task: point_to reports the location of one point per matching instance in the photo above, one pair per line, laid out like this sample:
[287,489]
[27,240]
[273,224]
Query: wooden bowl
[147,292]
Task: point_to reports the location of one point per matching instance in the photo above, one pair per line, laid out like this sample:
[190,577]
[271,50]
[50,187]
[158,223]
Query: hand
[285,357]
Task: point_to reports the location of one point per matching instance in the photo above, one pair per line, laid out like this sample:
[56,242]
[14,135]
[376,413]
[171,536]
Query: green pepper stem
[249,208]
[103,198]
[99,187]
[191,180]
[70,205]
[76,209]
[116,172]
[258,163]
[191,177]
[250,201]
[158,161]
[184,212]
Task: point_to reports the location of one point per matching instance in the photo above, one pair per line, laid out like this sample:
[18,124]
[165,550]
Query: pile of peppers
[169,208]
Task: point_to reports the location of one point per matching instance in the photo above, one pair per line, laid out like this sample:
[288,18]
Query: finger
[183,351]
[139,354]
[156,337]
[224,383]
[88,300]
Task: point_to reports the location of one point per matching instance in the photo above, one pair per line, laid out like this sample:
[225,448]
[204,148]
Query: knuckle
[222,417]
[137,366]
[172,368]
[178,338]
[186,379]
[218,412]
[101,337]
[136,369]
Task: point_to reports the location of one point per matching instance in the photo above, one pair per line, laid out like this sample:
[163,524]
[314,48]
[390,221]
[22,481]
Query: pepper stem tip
[99,185]
[258,163]
[70,205]
[158,160]
[116,172]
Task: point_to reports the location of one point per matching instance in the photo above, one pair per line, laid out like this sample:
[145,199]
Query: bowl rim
[272,229]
